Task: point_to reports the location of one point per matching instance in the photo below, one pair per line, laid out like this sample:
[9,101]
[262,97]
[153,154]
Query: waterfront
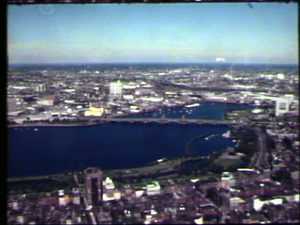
[206,110]
[51,150]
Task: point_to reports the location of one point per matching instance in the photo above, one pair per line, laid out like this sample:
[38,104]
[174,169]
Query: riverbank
[60,176]
[52,125]
[171,165]
[92,121]
[80,121]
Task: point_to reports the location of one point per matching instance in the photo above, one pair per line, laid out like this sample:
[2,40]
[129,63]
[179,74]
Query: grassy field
[153,169]
[228,162]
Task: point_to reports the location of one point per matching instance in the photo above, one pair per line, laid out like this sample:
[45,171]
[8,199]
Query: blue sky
[97,33]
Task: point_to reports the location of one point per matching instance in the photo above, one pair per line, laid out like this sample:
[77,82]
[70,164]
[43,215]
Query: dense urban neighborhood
[257,181]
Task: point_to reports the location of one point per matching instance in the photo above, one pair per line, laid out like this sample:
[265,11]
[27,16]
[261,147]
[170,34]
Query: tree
[287,143]
[216,168]
[212,193]
[280,174]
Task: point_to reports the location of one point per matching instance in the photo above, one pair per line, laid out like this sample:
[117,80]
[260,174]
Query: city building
[153,188]
[246,176]
[199,220]
[259,203]
[237,203]
[76,196]
[295,106]
[115,89]
[12,104]
[139,193]
[94,111]
[227,180]
[47,100]
[280,76]
[152,99]
[40,88]
[93,188]
[283,104]
[109,192]
[289,98]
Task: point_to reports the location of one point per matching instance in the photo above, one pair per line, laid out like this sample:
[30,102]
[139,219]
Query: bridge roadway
[169,120]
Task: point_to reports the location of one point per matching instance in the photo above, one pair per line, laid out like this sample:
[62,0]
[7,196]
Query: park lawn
[228,162]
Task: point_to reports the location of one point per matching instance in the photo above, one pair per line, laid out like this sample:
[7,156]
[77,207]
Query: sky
[113,33]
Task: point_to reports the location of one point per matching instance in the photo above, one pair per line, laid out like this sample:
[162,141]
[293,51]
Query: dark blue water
[109,146]
[207,110]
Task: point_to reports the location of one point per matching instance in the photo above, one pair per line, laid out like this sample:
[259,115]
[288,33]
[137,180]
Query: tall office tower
[40,88]
[93,185]
[115,89]
[283,104]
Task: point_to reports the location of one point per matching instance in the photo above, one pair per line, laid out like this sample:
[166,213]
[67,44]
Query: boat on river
[210,136]
[158,161]
[227,134]
[192,105]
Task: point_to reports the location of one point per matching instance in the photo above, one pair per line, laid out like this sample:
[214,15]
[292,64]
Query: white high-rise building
[115,89]
[283,104]
[40,88]
[108,190]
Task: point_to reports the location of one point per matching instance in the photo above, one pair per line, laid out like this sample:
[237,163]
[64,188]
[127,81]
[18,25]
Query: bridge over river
[87,121]
[171,120]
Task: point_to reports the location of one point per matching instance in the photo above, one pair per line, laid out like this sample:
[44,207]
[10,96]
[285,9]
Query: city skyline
[167,33]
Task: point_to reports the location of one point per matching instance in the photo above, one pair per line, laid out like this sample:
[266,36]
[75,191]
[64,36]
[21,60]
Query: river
[51,150]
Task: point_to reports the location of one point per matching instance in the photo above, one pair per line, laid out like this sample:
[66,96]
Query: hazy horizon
[196,63]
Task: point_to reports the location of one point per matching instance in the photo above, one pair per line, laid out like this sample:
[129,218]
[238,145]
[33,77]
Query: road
[259,160]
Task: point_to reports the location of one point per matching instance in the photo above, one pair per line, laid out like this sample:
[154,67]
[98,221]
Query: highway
[259,160]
